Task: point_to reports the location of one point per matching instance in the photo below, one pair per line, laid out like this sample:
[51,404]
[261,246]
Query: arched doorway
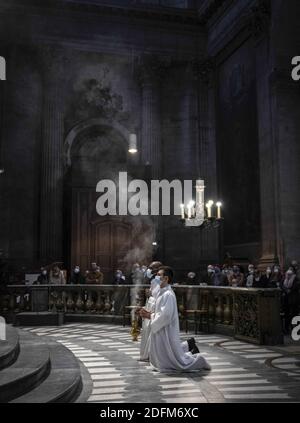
[100,152]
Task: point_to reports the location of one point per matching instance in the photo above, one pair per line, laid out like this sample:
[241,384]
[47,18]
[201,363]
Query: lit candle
[182,210]
[189,210]
[193,208]
[209,205]
[219,205]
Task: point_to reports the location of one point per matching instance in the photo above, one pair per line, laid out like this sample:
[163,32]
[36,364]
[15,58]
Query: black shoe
[195,350]
[192,346]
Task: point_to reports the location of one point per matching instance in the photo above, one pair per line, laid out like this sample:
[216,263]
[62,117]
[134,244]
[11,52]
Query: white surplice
[167,353]
[149,306]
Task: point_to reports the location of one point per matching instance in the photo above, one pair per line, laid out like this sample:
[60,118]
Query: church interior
[178,91]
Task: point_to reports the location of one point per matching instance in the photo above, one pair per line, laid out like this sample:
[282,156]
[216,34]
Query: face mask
[44,272]
[276,270]
[149,273]
[250,269]
[289,272]
[157,280]
[118,275]
[76,270]
[210,270]
[269,271]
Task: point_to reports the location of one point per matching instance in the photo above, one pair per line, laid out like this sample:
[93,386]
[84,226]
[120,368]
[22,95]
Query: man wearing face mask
[210,275]
[250,276]
[76,277]
[151,295]
[276,277]
[236,279]
[152,270]
[119,277]
[266,279]
[43,278]
[167,352]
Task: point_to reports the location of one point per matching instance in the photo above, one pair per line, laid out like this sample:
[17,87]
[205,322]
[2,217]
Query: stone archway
[95,150]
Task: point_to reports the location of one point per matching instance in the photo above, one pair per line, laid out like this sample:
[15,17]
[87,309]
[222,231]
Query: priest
[166,351]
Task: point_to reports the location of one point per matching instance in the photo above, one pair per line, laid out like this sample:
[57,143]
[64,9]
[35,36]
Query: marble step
[30,368]
[9,349]
[63,383]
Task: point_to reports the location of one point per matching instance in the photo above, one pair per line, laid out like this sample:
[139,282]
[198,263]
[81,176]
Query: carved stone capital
[203,69]
[150,69]
[259,18]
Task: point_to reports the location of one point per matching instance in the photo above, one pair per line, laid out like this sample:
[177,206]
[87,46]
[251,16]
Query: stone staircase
[35,369]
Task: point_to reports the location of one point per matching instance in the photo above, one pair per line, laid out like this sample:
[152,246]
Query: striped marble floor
[239,372]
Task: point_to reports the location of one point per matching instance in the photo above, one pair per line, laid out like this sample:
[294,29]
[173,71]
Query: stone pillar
[51,206]
[268,206]
[149,76]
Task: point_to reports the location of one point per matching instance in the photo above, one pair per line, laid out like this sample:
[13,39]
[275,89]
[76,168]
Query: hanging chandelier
[197,213]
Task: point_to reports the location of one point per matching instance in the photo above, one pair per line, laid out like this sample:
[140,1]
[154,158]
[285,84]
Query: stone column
[210,241]
[149,76]
[51,206]
[268,207]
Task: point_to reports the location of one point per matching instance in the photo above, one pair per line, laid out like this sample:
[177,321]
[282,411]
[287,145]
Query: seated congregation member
[167,352]
[236,279]
[94,275]
[43,278]
[56,276]
[76,277]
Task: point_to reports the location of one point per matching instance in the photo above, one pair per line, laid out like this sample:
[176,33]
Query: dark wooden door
[105,240]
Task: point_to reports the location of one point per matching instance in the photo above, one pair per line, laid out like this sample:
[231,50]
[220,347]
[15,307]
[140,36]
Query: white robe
[149,306]
[146,327]
[167,353]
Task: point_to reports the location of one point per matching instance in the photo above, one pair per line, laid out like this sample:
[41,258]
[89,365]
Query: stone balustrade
[249,314]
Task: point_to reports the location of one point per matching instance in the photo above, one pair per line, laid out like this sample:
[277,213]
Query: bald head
[155,265]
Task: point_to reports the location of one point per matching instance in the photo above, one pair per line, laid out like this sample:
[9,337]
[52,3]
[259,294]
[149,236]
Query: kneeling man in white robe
[166,351]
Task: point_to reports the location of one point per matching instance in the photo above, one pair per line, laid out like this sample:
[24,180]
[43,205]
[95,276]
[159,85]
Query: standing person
[266,278]
[119,278]
[43,278]
[152,270]
[236,279]
[57,276]
[290,297]
[76,277]
[166,350]
[276,277]
[94,275]
[210,275]
[257,279]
